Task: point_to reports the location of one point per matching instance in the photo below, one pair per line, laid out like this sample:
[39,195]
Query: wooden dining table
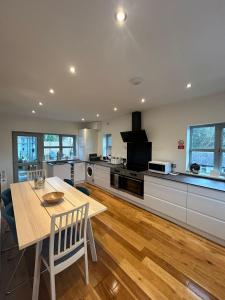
[33,216]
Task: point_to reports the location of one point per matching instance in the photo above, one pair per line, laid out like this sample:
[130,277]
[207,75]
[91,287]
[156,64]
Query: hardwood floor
[140,256]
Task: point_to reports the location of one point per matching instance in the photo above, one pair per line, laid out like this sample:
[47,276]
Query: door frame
[15,134]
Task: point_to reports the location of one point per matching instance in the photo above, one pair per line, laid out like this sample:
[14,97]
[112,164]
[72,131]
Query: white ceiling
[166,42]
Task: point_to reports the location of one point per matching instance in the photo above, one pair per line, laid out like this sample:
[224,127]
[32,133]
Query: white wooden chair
[36,173]
[67,243]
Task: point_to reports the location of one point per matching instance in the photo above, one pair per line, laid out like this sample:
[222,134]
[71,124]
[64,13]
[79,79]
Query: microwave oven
[162,167]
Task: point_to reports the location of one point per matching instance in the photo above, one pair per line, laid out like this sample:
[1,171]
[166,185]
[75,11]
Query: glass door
[27,154]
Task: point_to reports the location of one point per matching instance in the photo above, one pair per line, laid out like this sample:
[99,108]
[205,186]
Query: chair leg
[8,291]
[52,286]
[86,266]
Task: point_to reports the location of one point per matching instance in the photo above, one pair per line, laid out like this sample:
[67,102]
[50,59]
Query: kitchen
[123,115]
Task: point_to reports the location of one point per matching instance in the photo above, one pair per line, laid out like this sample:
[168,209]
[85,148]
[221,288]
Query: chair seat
[45,247]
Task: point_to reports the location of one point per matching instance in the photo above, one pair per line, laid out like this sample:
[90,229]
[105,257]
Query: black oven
[128,181]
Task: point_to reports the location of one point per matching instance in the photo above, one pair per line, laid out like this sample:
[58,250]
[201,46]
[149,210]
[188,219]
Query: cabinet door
[174,211]
[102,176]
[207,224]
[79,172]
[166,193]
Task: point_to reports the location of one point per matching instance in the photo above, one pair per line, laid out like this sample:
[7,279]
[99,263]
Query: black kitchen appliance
[94,157]
[137,134]
[128,181]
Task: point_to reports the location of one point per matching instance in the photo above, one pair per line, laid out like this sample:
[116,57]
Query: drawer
[102,182]
[206,206]
[169,194]
[207,192]
[207,224]
[166,182]
[102,169]
[166,208]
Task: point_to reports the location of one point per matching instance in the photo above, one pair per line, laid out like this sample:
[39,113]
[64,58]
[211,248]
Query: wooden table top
[33,216]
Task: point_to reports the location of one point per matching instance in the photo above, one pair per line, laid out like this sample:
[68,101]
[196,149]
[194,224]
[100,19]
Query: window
[51,147]
[68,147]
[58,147]
[107,144]
[207,147]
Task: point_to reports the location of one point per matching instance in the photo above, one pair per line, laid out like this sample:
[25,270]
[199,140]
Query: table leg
[91,240]
[37,268]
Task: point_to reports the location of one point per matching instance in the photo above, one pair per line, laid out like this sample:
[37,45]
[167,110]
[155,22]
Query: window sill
[203,175]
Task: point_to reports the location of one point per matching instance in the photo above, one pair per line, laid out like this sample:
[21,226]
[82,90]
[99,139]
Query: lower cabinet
[166,197]
[102,176]
[206,210]
[171,210]
[79,172]
[199,208]
[207,224]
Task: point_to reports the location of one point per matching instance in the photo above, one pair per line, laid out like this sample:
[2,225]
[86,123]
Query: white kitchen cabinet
[206,210]
[164,207]
[102,176]
[79,172]
[172,195]
[61,170]
[166,197]
[206,224]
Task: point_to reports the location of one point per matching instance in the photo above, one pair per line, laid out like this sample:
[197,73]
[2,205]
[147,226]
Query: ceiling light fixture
[40,103]
[82,119]
[98,115]
[120,16]
[72,70]
[33,111]
[188,86]
[143,100]
[115,108]
[51,91]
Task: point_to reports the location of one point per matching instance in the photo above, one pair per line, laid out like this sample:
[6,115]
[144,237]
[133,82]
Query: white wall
[114,127]
[165,125]
[15,123]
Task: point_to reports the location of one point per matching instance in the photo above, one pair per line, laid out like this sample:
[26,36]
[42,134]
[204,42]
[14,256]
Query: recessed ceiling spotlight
[120,16]
[40,103]
[51,91]
[143,100]
[83,119]
[98,115]
[188,86]
[115,108]
[33,111]
[72,70]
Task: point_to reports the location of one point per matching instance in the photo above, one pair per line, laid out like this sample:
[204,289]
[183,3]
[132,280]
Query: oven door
[132,186]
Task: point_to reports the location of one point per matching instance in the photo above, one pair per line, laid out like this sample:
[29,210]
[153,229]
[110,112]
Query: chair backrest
[31,175]
[8,215]
[68,232]
[83,189]
[6,197]
[69,181]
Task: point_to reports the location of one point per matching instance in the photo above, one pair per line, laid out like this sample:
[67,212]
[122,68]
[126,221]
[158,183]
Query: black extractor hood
[137,135]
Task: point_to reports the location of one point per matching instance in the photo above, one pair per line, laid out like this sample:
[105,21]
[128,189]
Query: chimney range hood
[137,135]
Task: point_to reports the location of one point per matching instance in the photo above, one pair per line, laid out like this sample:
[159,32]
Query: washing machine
[90,173]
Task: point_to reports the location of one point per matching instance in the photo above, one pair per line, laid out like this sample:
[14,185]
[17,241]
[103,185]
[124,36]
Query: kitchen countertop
[103,163]
[215,184]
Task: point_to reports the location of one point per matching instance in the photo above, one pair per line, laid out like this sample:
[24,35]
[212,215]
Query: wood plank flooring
[140,256]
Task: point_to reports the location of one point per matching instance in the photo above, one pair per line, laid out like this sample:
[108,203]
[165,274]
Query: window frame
[217,150]
[60,147]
